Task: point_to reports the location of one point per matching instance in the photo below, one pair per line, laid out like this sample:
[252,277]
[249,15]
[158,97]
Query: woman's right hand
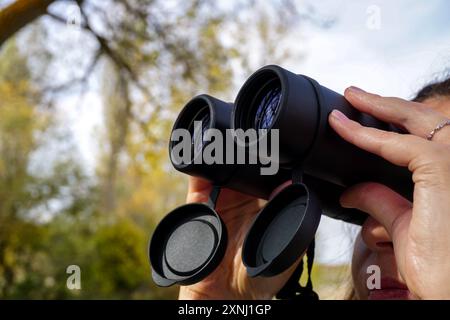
[419,230]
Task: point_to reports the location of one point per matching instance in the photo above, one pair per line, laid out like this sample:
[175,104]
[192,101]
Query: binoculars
[190,241]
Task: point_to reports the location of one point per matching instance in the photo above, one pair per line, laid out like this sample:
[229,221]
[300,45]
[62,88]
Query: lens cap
[187,245]
[281,232]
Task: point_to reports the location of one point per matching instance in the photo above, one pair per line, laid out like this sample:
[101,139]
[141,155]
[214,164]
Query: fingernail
[338,115]
[356,90]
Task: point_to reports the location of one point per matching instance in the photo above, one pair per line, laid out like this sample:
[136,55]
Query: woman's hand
[420,231]
[230,279]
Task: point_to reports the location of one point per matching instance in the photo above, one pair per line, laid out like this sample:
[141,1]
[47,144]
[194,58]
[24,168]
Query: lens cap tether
[282,231]
[188,244]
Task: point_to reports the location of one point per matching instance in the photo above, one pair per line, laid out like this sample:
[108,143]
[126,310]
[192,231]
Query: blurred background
[88,93]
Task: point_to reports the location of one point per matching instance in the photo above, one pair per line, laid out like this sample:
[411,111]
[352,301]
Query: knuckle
[356,133]
[362,191]
[410,111]
[388,139]
[422,111]
[439,153]
[441,159]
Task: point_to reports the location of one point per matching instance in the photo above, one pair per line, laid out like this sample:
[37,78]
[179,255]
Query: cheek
[362,257]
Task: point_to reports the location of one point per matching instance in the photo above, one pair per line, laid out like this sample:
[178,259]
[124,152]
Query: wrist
[188,293]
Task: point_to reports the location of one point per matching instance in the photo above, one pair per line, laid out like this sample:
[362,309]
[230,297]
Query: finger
[399,149]
[198,190]
[280,188]
[393,212]
[416,118]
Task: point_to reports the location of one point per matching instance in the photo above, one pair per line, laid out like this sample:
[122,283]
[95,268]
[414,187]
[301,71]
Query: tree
[151,58]
[19,14]
[20,120]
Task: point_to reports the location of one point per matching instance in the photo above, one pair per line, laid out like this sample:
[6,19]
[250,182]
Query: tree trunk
[118,126]
[18,14]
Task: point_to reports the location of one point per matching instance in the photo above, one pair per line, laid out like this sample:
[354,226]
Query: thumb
[384,205]
[198,190]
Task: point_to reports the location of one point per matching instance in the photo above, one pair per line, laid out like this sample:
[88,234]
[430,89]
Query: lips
[391,289]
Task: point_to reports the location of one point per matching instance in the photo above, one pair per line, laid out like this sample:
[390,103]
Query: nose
[375,236]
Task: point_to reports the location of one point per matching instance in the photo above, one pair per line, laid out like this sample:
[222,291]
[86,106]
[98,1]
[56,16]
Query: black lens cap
[187,245]
[281,232]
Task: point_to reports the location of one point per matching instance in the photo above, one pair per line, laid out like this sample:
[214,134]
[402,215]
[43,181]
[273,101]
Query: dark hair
[440,88]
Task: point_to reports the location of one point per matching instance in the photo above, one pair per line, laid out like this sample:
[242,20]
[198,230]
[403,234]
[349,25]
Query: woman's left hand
[420,231]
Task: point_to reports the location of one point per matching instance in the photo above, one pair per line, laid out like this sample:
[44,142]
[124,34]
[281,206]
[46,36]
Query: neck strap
[292,290]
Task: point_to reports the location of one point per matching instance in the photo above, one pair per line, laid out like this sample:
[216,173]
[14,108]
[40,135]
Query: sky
[395,56]
[388,47]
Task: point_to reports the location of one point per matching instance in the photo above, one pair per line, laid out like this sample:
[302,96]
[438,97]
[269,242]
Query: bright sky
[388,47]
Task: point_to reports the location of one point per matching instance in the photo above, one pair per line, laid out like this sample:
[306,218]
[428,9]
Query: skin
[408,241]
[413,252]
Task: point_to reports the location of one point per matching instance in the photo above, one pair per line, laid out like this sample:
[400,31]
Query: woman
[410,242]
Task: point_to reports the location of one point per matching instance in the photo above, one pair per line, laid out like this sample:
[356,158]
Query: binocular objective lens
[267,108]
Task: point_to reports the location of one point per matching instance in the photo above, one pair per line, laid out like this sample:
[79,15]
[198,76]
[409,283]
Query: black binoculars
[191,240]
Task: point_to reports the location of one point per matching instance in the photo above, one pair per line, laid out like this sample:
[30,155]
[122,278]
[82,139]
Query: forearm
[193,293]
[188,293]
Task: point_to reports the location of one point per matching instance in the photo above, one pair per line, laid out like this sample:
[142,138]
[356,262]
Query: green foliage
[120,255]
[108,243]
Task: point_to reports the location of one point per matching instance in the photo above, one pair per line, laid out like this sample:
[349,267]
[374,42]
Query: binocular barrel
[306,139]
[216,114]
[298,106]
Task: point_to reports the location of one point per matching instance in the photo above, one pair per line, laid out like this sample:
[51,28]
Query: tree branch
[81,80]
[106,49]
[18,14]
[119,61]
[62,19]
